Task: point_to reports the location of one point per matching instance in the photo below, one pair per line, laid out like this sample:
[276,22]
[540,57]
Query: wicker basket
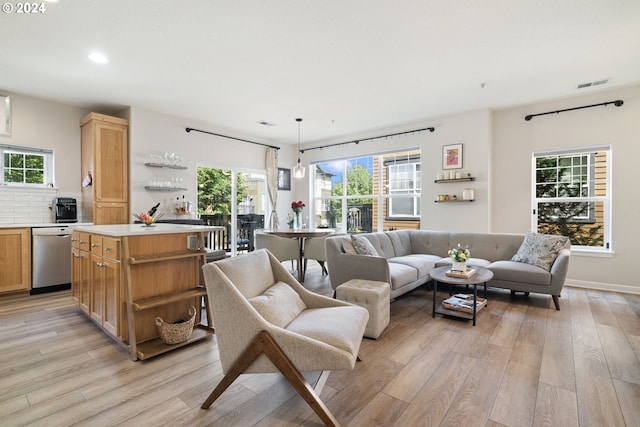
[178,331]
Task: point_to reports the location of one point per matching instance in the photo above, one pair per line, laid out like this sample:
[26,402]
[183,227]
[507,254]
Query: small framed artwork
[284,179]
[452,156]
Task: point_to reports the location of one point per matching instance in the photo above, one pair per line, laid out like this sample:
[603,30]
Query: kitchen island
[126,275]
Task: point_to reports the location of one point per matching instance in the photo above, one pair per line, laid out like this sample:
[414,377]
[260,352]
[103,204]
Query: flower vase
[459,266]
[297,220]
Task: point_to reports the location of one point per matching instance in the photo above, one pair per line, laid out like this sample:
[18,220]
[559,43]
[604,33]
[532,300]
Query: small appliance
[65,209]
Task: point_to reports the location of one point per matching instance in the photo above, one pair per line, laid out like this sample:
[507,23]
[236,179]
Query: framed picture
[284,179]
[452,156]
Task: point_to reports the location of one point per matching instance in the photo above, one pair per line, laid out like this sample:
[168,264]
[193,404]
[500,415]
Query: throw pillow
[540,249]
[363,246]
[348,246]
[279,304]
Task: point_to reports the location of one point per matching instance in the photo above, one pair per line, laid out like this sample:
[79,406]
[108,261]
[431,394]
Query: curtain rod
[358,141]
[617,103]
[232,137]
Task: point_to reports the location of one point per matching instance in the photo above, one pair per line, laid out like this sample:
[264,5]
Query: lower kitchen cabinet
[15,262]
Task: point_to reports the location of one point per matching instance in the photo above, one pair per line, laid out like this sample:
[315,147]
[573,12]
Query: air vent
[594,83]
[265,123]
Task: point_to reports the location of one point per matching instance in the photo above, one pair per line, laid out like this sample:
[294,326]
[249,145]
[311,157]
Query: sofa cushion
[513,271]
[279,304]
[363,246]
[421,262]
[348,246]
[401,274]
[337,326]
[540,249]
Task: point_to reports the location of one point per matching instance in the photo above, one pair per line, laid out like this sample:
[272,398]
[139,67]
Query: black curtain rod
[232,137]
[617,103]
[358,141]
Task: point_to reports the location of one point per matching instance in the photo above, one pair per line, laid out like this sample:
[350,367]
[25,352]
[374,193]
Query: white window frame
[591,198]
[48,165]
[408,193]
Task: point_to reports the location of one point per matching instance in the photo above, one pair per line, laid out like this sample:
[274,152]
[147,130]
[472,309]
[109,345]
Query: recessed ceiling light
[98,58]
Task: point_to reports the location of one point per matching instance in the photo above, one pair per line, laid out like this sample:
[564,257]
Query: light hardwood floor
[524,364]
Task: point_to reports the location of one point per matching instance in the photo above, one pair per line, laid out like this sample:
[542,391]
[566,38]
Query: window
[26,166]
[403,179]
[375,192]
[572,196]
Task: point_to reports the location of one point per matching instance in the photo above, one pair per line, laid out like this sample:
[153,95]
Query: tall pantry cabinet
[105,157]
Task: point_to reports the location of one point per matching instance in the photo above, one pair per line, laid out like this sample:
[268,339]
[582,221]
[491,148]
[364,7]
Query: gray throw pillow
[363,246]
[540,249]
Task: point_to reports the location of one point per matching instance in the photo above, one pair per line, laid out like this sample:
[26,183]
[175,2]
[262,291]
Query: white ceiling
[344,66]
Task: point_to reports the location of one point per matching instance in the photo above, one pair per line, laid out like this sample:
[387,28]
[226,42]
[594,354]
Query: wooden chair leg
[263,343]
[556,301]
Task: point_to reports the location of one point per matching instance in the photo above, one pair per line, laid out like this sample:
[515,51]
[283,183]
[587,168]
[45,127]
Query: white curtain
[272,184]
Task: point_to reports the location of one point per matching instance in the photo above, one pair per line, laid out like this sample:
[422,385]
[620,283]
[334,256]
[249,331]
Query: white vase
[459,266]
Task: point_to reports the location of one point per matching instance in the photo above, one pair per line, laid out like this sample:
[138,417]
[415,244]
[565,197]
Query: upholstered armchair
[284,249]
[314,249]
[267,322]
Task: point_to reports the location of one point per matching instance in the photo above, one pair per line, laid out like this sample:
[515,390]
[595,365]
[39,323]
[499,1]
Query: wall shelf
[150,188]
[453,201]
[162,165]
[446,181]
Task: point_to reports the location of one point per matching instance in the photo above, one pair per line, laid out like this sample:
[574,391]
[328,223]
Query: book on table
[461,274]
[464,302]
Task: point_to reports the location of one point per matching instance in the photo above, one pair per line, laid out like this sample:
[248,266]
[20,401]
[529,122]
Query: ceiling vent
[265,123]
[594,83]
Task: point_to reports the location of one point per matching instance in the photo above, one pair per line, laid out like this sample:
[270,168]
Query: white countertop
[116,230]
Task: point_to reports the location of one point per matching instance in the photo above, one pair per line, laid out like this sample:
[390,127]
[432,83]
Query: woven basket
[179,330]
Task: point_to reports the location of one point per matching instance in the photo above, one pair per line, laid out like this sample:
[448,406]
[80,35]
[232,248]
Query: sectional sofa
[404,259]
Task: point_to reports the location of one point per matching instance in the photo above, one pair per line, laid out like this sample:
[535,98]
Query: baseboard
[612,287]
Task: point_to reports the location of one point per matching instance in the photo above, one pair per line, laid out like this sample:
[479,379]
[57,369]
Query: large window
[26,166]
[572,196]
[370,193]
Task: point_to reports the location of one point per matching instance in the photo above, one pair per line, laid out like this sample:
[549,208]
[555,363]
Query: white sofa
[405,258]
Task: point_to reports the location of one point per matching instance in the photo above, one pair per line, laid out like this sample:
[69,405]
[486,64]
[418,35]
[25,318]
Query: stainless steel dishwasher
[50,258]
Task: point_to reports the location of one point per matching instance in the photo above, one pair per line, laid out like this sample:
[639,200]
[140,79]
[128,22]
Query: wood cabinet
[15,259]
[105,153]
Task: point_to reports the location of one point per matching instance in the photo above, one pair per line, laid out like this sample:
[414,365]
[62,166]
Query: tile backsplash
[20,205]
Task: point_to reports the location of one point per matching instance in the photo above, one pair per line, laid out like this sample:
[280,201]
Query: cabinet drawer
[84,240]
[75,239]
[111,248]
[96,245]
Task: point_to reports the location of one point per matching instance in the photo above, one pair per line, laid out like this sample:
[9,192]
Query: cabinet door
[111,163]
[111,279]
[85,280]
[111,213]
[15,259]
[76,276]
[97,289]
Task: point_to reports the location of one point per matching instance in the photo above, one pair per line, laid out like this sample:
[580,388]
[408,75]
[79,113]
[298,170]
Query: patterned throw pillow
[348,246]
[363,246]
[540,249]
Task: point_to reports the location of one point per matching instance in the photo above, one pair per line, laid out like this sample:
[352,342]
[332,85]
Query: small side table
[482,276]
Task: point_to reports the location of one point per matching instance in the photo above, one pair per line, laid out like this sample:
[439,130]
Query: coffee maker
[65,209]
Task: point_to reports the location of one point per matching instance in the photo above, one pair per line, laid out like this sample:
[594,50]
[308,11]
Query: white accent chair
[314,249]
[284,249]
[260,309]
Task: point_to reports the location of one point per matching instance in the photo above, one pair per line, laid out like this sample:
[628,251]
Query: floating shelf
[453,201]
[161,165]
[445,181]
[150,188]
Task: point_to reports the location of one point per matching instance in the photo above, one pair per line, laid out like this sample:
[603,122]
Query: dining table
[301,235]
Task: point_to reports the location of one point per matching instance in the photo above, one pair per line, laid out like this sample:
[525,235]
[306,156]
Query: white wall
[516,139]
[40,123]
[152,132]
[473,130]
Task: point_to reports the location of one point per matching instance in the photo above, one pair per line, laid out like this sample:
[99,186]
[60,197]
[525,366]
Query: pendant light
[298,170]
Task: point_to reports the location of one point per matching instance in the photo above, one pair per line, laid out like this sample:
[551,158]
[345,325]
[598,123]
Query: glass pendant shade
[298,169]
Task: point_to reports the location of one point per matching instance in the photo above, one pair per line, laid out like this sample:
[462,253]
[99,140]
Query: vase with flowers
[297,214]
[459,257]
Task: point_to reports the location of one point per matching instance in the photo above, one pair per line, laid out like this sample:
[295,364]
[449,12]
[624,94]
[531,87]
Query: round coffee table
[481,276]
